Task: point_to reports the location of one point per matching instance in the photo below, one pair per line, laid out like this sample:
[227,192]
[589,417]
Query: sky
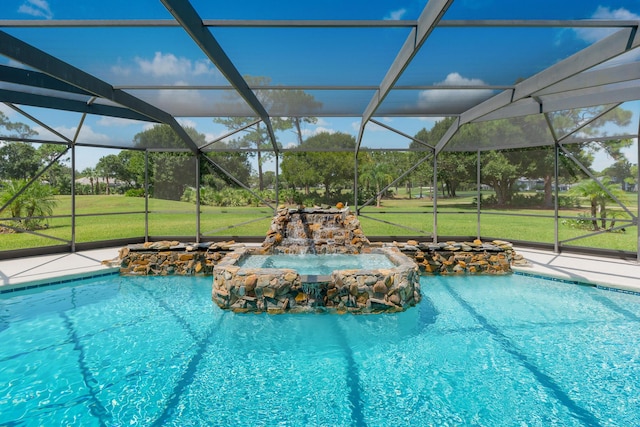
[167,56]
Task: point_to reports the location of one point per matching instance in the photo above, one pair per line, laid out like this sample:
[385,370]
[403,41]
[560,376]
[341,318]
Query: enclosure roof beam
[41,123]
[429,18]
[189,19]
[599,52]
[65,104]
[571,99]
[447,136]
[32,78]
[316,23]
[401,133]
[590,79]
[54,67]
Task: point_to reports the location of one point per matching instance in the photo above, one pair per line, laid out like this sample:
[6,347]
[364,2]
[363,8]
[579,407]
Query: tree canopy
[313,165]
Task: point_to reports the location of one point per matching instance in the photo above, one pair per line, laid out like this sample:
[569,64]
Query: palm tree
[39,202]
[9,190]
[598,198]
[35,201]
[91,174]
[375,174]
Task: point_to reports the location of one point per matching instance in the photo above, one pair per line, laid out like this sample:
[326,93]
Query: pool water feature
[324,264]
[481,350]
[287,280]
[243,283]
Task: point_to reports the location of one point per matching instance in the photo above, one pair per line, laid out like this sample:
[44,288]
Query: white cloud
[201,67]
[186,123]
[87,134]
[371,127]
[209,136]
[167,64]
[592,35]
[455,79]
[116,122]
[38,8]
[9,112]
[317,130]
[453,97]
[396,15]
[182,102]
[120,70]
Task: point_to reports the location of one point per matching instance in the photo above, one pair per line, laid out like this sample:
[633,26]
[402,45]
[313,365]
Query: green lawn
[113,217]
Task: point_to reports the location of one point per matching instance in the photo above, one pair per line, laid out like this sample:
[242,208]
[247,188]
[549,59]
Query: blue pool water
[488,351]
[321,264]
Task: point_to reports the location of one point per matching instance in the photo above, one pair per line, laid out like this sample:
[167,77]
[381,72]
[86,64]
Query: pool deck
[40,270]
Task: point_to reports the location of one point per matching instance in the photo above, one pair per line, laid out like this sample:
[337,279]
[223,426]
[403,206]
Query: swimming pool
[508,350]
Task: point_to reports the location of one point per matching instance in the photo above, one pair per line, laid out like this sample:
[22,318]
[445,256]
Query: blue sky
[167,56]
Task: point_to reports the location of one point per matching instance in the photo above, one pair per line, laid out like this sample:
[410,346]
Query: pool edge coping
[112,271]
[57,280]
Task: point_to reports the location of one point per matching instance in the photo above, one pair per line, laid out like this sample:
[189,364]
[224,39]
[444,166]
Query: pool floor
[479,350]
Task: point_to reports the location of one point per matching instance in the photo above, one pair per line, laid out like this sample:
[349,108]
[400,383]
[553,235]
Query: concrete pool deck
[608,272]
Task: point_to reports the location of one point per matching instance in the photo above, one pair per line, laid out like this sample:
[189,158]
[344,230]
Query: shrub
[30,209]
[134,192]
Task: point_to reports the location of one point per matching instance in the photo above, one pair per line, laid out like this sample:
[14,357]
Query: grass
[113,217]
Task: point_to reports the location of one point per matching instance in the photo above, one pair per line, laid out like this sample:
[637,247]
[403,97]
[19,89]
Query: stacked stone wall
[278,290]
[175,258]
[477,257]
[167,258]
[314,230]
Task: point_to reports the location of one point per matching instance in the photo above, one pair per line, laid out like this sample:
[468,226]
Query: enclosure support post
[355,184]
[73,197]
[556,237]
[638,197]
[146,195]
[479,195]
[277,184]
[435,198]
[198,197]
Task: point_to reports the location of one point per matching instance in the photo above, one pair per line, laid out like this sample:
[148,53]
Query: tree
[131,168]
[257,137]
[58,175]
[567,121]
[296,170]
[170,172]
[454,168]
[38,203]
[499,171]
[598,199]
[531,131]
[18,160]
[621,173]
[91,174]
[375,174]
[27,209]
[235,163]
[331,169]
[16,129]
[299,107]
[632,181]
[109,167]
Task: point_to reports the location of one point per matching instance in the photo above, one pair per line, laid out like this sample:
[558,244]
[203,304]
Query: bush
[134,192]
[35,201]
